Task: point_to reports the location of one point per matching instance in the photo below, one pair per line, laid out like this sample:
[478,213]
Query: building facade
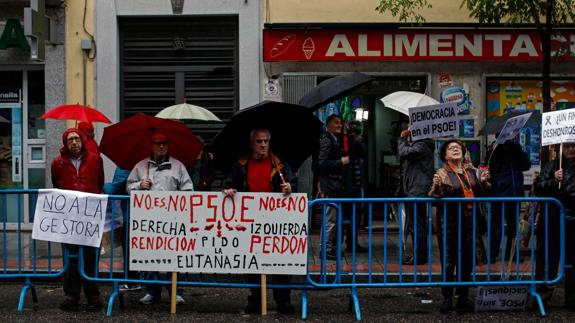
[487,70]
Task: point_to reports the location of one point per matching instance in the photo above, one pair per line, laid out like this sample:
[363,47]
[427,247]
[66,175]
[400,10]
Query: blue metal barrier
[22,256]
[385,268]
[122,275]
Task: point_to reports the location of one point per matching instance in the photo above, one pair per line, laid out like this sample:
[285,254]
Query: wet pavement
[226,305]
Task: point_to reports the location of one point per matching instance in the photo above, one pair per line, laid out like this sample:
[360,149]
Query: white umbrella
[187,111]
[401,101]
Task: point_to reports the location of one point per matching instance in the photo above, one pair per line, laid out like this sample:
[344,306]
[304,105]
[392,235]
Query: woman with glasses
[458,179]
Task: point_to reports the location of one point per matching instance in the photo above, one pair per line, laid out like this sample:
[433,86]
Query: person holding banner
[262,171]
[458,179]
[160,172]
[417,174]
[506,162]
[80,170]
[557,179]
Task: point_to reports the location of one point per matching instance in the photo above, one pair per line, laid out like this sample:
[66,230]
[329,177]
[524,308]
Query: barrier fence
[456,239]
[26,258]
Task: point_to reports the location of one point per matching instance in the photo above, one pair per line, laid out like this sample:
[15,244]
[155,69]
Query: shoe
[464,305]
[149,299]
[332,255]
[447,305]
[130,288]
[69,304]
[285,308]
[94,304]
[407,261]
[252,308]
[180,300]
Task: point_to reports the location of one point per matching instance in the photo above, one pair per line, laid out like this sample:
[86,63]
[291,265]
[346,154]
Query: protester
[558,183]
[118,187]
[88,129]
[417,170]
[456,179]
[506,162]
[332,163]
[262,171]
[203,174]
[160,172]
[354,183]
[80,170]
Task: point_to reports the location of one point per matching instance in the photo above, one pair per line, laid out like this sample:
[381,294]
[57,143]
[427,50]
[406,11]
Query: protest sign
[512,128]
[501,298]
[558,127]
[69,216]
[255,233]
[433,121]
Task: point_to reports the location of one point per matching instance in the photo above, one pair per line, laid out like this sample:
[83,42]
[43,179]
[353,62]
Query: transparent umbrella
[185,111]
[401,101]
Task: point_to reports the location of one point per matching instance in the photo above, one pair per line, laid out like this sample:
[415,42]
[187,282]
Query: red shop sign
[409,45]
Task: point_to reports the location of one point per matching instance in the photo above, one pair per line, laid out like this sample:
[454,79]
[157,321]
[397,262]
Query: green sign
[37,27]
[13,36]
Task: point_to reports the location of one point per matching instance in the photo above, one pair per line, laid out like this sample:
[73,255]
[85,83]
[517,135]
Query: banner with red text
[207,232]
[384,44]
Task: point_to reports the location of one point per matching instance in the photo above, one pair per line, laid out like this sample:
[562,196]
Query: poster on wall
[458,95]
[466,128]
[509,95]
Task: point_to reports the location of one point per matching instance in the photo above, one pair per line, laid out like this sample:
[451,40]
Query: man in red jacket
[80,170]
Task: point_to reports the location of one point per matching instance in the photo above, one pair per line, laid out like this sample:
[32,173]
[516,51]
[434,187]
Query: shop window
[36,106]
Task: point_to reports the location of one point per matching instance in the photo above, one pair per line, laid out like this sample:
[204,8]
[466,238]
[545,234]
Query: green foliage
[511,12]
[406,10]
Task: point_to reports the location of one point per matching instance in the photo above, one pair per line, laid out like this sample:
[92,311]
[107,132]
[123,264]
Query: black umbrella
[495,125]
[295,133]
[333,89]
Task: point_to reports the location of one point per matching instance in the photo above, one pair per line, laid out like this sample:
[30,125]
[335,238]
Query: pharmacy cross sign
[37,27]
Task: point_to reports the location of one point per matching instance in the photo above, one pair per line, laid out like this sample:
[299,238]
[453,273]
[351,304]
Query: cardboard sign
[558,127]
[207,232]
[433,121]
[70,216]
[501,298]
[512,128]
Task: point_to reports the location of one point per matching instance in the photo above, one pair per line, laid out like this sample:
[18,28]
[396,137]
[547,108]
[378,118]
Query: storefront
[451,65]
[30,82]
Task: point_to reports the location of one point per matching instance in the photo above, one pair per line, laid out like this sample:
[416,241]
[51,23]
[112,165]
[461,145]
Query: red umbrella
[127,142]
[76,112]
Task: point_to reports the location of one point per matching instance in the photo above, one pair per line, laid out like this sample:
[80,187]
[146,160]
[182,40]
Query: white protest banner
[254,233]
[501,298]
[433,121]
[558,127]
[70,216]
[512,128]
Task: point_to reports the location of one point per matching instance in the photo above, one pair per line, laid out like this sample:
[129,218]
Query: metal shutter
[166,60]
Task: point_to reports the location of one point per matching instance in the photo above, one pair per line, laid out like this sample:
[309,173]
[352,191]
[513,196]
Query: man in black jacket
[506,162]
[262,171]
[417,169]
[558,183]
[332,164]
